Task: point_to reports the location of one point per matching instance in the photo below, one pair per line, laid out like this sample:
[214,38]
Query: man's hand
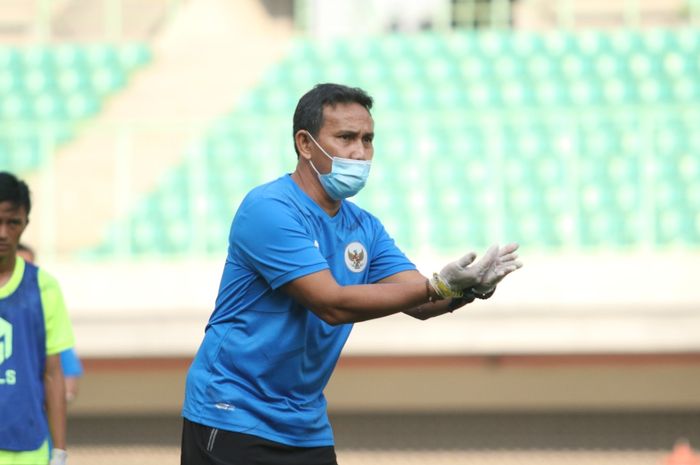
[58,457]
[505,263]
[464,274]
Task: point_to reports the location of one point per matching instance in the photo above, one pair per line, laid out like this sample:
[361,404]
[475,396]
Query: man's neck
[7,267]
[313,189]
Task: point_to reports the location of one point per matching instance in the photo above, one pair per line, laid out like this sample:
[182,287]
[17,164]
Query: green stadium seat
[132,56]
[526,44]
[624,42]
[36,81]
[70,80]
[49,106]
[551,93]
[575,67]
[68,56]
[657,41]
[37,58]
[618,92]
[101,55]
[81,105]
[493,43]
[393,46]
[610,66]
[542,67]
[558,43]
[428,45]
[592,43]
[10,59]
[106,79]
[675,227]
[686,89]
[624,170]
[10,83]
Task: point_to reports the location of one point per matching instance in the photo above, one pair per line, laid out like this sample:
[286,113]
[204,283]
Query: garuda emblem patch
[355,257]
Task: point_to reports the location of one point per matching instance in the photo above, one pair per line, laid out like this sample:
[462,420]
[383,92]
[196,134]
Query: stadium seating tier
[556,140]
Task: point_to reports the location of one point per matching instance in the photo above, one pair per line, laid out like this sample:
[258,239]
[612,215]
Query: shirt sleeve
[272,239]
[71,363]
[387,258]
[59,332]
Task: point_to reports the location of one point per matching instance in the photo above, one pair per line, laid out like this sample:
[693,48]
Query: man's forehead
[10,208]
[347,114]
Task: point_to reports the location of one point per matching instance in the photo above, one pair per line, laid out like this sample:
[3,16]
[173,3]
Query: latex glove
[462,274]
[505,263]
[58,457]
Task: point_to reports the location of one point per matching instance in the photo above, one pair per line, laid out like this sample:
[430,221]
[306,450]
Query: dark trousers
[204,445]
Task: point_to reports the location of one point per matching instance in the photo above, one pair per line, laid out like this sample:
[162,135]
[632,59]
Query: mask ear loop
[318,145]
[314,168]
[318,173]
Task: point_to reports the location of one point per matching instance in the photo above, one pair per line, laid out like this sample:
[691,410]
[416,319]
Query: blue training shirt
[265,359]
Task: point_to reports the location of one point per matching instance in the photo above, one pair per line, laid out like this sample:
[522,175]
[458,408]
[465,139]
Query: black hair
[309,112]
[15,191]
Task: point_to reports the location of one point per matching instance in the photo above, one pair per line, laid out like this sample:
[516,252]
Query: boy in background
[34,330]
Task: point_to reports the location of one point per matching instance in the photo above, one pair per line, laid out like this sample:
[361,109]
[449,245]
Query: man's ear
[303,142]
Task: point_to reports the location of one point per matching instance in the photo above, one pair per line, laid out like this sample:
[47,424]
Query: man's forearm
[54,387]
[433,309]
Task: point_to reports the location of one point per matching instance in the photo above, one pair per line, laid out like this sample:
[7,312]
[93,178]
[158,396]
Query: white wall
[598,303]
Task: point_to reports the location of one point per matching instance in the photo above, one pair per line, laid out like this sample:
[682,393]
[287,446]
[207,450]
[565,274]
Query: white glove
[457,276]
[58,457]
[505,263]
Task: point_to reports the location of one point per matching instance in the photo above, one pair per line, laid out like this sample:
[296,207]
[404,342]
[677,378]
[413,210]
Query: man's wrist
[442,288]
[431,292]
[58,456]
[459,302]
[481,293]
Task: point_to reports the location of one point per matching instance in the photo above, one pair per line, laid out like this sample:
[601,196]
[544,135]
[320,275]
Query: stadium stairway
[183,89]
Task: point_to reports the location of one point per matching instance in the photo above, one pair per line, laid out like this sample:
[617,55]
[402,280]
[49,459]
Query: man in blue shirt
[303,264]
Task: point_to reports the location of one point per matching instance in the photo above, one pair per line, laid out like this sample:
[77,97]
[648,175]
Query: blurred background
[569,126]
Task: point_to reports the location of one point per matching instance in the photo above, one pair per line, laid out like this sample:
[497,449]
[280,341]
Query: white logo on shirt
[10,376]
[224,406]
[355,257]
[5,340]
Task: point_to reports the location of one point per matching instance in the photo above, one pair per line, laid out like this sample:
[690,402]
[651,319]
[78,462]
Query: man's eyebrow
[350,132]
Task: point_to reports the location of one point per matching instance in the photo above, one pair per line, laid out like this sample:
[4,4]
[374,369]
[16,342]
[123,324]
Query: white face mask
[346,178]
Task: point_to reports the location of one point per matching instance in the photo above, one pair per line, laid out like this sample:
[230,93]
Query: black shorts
[204,445]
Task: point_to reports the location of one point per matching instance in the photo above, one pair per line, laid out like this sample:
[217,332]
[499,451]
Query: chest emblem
[355,257]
